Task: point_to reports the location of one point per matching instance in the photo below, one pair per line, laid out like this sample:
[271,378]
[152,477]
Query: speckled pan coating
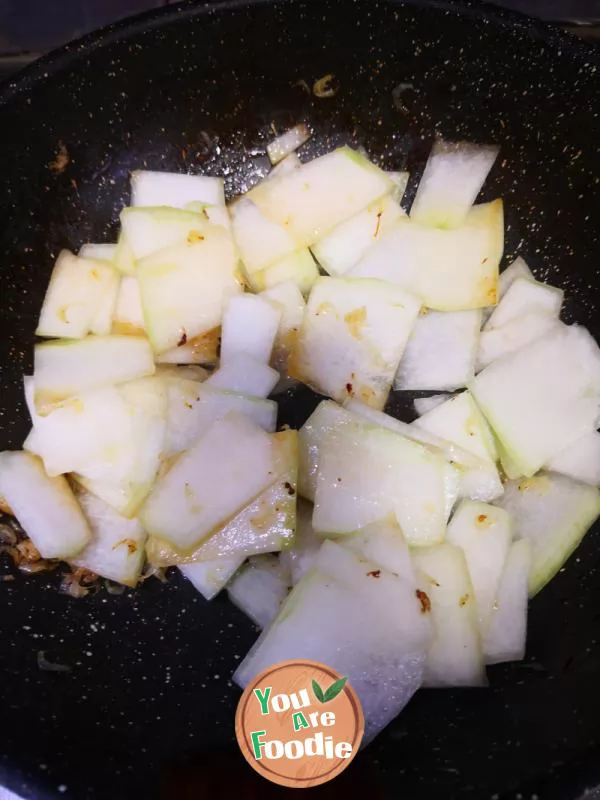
[198,88]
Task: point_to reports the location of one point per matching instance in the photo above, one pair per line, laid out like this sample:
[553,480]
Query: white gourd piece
[193,407]
[525,296]
[344,246]
[142,449]
[325,418]
[45,507]
[458,420]
[371,630]
[383,543]
[298,266]
[259,589]
[260,240]
[80,292]
[455,657]
[424,404]
[291,140]
[266,524]
[484,533]
[189,372]
[63,368]
[249,326]
[450,270]
[147,230]
[287,164]
[154,188]
[441,350]
[288,297]
[580,460]
[123,257]
[506,633]
[554,513]
[521,331]
[98,252]
[352,337]
[201,349]
[400,181]
[453,177]
[209,577]
[232,463]
[116,550]
[301,555]
[245,374]
[217,215]
[518,269]
[313,199]
[541,398]
[128,316]
[185,288]
[366,473]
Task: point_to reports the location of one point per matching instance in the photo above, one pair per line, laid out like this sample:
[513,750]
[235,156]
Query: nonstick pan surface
[147,708]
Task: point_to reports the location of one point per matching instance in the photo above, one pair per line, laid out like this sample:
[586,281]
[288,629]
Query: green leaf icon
[334,690]
[318,691]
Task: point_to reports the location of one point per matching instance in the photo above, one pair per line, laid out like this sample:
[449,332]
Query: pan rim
[61,57]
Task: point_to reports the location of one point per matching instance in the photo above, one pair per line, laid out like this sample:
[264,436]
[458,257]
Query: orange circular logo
[299,723]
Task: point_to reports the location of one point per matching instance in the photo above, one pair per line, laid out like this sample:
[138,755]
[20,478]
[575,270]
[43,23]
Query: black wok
[147,708]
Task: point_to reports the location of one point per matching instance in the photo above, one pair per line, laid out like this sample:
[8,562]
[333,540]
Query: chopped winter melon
[453,177]
[506,633]
[259,589]
[370,630]
[203,349]
[441,350]
[580,460]
[289,141]
[344,246]
[189,372]
[554,513]
[512,336]
[116,550]
[260,240]
[63,368]
[185,288]
[301,555]
[400,181]
[518,269]
[541,398]
[311,200]
[142,448]
[194,407]
[90,432]
[424,404]
[366,473]
[79,299]
[217,215]
[352,337]
[249,327]
[149,229]
[298,266]
[128,316]
[45,507]
[525,296]
[326,417]
[288,164]
[209,577]
[484,533]
[246,375]
[459,420]
[450,270]
[265,525]
[123,257]
[455,657]
[150,188]
[289,299]
[383,543]
[232,463]
[98,252]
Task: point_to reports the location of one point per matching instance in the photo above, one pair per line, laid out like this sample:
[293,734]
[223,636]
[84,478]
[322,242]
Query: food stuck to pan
[401,554]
